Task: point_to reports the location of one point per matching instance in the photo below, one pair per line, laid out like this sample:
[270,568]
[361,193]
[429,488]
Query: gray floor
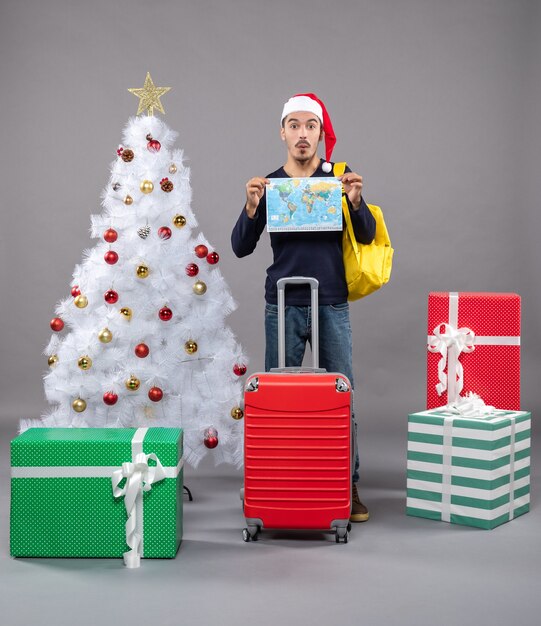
[394,570]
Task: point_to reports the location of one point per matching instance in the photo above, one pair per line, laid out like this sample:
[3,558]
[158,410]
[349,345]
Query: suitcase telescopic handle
[281,286]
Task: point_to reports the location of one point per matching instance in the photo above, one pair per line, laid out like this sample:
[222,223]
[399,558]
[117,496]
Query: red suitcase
[297,442]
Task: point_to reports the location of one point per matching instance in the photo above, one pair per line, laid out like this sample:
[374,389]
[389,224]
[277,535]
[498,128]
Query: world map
[296,204]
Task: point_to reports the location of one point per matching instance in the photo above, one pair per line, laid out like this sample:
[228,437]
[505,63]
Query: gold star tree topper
[149,96]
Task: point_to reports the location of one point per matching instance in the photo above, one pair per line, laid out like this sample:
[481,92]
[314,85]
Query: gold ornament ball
[199,288]
[52,360]
[105,335]
[172,168]
[128,200]
[190,346]
[78,405]
[146,186]
[237,413]
[126,313]
[179,221]
[142,271]
[81,301]
[85,362]
[133,383]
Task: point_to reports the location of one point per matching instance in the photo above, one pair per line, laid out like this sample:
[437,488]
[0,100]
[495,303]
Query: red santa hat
[311,103]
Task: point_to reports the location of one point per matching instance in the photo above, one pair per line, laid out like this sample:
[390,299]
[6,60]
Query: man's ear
[321,135]
[282,133]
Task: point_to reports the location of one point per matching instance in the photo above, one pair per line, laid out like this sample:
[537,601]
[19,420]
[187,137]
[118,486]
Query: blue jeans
[334,343]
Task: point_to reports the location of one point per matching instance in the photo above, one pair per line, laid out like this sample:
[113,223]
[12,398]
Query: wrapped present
[474,345]
[93,492]
[468,470]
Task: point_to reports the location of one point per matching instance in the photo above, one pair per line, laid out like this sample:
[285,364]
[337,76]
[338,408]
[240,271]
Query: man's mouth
[303,145]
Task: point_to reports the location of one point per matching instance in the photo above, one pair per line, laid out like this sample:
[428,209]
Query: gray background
[436,104]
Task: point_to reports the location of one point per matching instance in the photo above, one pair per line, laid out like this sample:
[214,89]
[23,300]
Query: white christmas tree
[142,340]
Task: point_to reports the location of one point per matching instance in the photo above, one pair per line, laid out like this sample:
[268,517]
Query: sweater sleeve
[247,231]
[362,220]
[364,223]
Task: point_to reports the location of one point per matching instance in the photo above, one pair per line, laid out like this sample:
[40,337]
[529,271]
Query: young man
[304,123]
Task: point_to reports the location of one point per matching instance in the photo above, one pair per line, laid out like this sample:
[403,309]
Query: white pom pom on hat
[311,103]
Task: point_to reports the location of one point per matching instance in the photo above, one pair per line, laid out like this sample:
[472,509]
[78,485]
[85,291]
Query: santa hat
[311,103]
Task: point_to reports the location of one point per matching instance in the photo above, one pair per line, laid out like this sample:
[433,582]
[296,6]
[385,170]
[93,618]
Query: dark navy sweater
[317,254]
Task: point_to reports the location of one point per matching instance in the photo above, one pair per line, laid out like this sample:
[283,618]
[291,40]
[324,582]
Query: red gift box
[474,345]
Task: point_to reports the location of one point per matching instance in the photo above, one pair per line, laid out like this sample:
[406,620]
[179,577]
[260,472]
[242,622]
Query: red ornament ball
[57,324]
[201,251]
[110,235]
[110,257]
[210,437]
[164,232]
[239,369]
[210,442]
[192,269]
[110,296]
[142,350]
[165,314]
[75,291]
[110,398]
[213,258]
[155,394]
[154,145]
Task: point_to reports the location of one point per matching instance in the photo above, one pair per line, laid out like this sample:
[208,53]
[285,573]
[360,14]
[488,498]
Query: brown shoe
[359,513]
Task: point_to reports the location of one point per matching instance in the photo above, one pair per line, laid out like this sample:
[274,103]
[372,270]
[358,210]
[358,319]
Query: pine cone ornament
[127,155]
[166,185]
[143,232]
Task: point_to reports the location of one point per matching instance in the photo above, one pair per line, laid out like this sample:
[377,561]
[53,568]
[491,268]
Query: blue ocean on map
[298,204]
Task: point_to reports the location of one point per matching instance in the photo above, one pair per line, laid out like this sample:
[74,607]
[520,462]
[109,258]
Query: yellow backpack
[368,266]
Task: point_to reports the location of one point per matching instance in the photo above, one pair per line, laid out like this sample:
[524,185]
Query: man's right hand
[255,188]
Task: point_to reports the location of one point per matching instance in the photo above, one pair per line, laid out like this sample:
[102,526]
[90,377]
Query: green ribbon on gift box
[139,476]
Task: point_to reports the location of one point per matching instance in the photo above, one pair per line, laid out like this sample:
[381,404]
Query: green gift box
[469,470]
[93,492]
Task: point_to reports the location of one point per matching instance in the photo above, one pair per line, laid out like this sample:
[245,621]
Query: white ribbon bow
[139,477]
[451,341]
[470,405]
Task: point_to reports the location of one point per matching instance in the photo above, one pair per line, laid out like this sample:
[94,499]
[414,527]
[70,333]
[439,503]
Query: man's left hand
[353,187]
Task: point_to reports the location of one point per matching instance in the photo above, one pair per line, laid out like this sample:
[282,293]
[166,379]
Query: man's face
[302,132]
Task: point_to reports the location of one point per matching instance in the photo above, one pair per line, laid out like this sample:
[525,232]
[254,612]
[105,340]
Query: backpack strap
[338,170]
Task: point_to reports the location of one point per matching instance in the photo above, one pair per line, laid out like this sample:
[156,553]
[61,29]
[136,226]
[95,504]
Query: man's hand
[255,188]
[353,187]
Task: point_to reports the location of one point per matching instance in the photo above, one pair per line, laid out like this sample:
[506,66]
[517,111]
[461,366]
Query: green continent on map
[308,199]
[285,190]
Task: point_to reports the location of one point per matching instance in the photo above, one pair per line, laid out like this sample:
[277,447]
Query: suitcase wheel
[342,535]
[250,534]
